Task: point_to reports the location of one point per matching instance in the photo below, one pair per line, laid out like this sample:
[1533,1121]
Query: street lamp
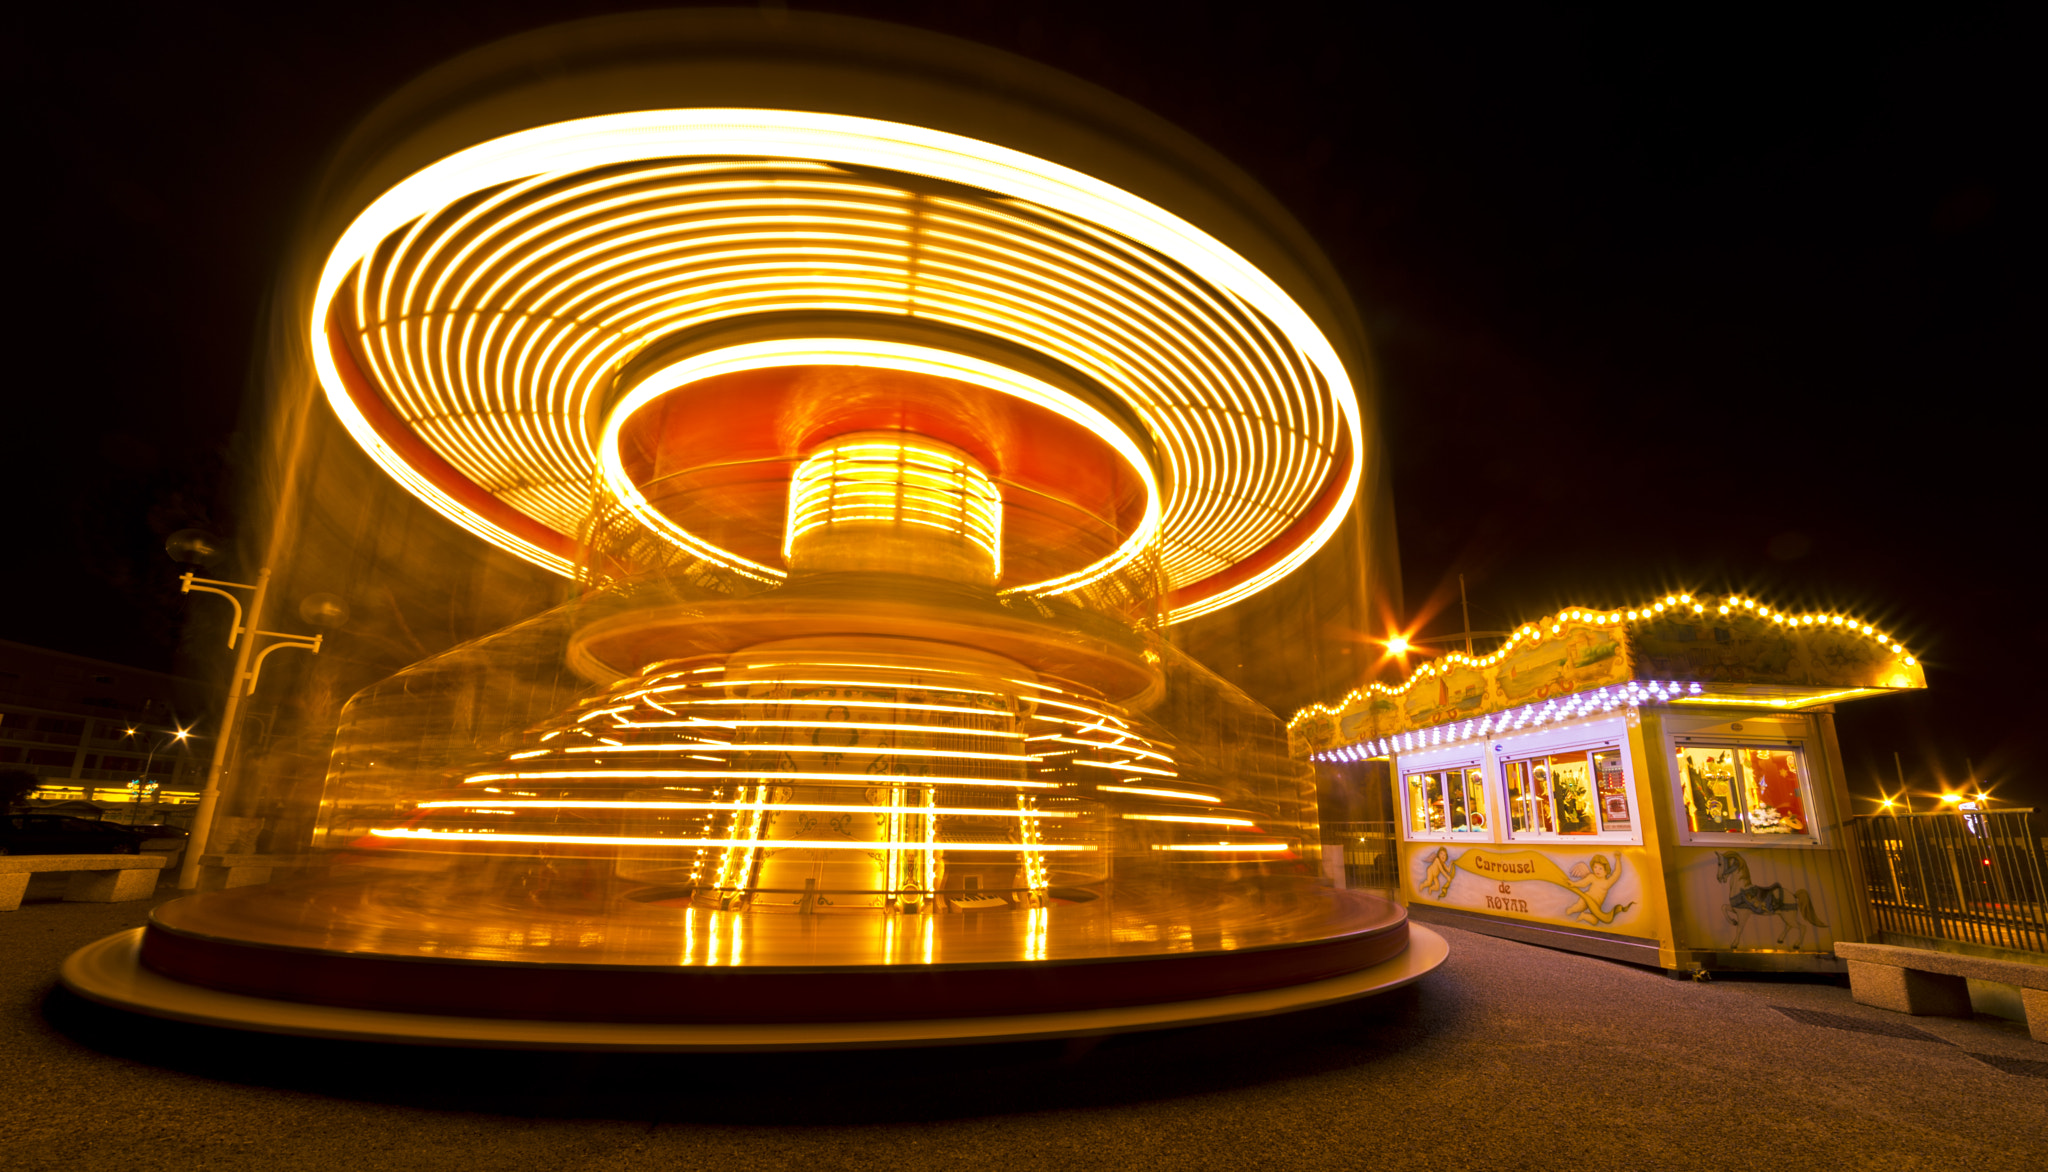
[190,545]
[142,785]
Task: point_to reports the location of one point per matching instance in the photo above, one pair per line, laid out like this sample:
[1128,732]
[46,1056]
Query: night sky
[1676,300]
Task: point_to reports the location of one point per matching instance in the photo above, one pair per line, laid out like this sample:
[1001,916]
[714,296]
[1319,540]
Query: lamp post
[143,784]
[242,637]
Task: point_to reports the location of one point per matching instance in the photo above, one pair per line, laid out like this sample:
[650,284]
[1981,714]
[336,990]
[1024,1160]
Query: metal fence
[1371,857]
[1971,877]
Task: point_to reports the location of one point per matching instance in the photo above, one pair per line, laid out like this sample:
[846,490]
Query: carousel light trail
[779,843]
[491,292]
[810,807]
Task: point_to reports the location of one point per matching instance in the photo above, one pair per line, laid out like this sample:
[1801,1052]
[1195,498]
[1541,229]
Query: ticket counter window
[1568,795]
[1449,800]
[1731,789]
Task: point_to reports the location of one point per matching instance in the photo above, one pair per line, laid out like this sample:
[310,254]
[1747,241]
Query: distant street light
[142,785]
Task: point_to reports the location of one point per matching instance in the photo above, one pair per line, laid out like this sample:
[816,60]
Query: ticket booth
[1658,784]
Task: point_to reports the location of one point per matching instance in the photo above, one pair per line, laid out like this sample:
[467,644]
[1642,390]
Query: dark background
[1662,300]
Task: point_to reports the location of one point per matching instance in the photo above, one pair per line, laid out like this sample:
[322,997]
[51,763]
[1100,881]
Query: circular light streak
[1227,441]
[897,356]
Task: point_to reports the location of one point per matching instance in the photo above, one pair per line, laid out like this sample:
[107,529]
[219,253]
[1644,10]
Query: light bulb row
[1671,605]
[1559,710]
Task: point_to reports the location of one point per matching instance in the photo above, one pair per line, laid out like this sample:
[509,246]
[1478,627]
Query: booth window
[1580,793]
[1449,801]
[1743,789]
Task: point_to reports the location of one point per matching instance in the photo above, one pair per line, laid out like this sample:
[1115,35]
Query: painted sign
[1570,887]
[1743,648]
[1746,898]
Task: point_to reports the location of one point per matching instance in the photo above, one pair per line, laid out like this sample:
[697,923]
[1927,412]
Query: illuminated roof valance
[1732,651]
[470,324]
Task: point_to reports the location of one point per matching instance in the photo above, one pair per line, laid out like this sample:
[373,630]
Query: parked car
[57,834]
[154,830]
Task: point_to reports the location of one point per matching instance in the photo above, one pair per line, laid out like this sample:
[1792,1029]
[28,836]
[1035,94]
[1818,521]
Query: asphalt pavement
[1509,1056]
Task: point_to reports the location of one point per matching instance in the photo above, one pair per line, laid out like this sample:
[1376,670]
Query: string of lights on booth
[1564,709]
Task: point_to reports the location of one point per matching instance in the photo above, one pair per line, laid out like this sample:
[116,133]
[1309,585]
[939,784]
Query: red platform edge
[706,995]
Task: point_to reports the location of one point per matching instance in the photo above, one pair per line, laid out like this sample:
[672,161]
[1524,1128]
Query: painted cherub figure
[1593,879]
[1436,881]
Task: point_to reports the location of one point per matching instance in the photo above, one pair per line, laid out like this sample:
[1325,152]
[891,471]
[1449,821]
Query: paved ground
[1507,1057]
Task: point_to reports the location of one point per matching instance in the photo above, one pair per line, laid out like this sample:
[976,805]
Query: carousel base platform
[110,971]
[445,963]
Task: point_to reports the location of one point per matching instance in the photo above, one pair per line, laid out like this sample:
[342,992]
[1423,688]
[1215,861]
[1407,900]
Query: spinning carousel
[890,401]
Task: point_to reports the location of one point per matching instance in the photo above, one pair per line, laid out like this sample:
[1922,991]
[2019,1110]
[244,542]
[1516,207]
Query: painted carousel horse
[1746,899]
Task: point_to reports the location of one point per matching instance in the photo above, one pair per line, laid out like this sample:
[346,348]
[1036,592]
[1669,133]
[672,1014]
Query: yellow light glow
[1398,645]
[421,353]
[803,807]
[1534,633]
[1220,846]
[876,750]
[897,356]
[1191,818]
[1159,793]
[821,844]
[749,774]
[1951,799]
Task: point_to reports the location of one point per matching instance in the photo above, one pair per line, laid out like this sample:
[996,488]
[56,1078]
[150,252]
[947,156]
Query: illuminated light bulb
[1909,661]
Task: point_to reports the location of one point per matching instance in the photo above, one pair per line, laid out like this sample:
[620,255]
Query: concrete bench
[1927,983]
[94,878]
[219,872]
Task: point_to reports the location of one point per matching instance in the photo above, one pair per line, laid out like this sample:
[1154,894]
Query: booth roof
[1680,649]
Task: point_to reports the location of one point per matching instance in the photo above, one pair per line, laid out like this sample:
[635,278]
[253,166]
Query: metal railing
[1372,856]
[1971,877]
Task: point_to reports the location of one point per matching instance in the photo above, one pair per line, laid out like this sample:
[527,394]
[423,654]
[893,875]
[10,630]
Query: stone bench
[94,878]
[222,871]
[1927,983]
